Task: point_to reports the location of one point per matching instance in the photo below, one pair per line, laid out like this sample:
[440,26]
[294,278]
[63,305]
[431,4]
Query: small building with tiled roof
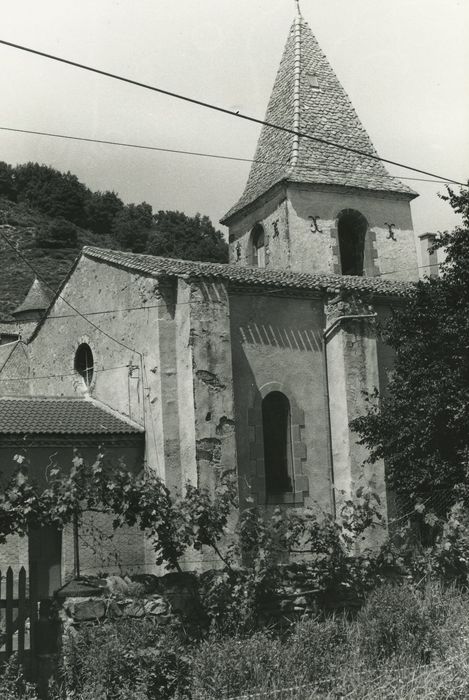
[256,367]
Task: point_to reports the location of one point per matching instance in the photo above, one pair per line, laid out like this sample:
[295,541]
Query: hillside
[23,226]
[49,215]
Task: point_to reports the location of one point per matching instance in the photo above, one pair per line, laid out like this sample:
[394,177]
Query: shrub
[59,233]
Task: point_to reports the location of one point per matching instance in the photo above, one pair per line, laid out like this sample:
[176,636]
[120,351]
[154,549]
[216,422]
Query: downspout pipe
[325,337]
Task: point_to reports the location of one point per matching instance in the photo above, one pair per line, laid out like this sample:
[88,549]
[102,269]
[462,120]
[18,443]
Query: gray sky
[403,63]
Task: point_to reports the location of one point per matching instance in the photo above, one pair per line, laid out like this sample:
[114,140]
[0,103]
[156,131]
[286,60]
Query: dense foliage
[48,216]
[415,620]
[421,425]
[134,227]
[176,235]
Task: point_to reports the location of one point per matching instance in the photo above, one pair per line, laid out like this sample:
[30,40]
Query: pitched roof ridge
[242,275]
[296,92]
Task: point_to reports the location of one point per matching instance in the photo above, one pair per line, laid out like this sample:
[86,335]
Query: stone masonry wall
[300,225]
[318,252]
[276,345]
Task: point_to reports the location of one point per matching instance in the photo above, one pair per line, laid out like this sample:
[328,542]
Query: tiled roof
[37,299]
[60,416]
[238,275]
[325,112]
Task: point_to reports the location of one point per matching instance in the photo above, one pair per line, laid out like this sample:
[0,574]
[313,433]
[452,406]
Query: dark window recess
[352,228]
[277,443]
[258,246]
[84,363]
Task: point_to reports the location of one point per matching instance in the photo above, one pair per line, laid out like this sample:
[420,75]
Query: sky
[404,65]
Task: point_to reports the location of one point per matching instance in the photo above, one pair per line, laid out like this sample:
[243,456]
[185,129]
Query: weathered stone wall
[300,225]
[273,215]
[14,369]
[277,346]
[355,365]
[316,252]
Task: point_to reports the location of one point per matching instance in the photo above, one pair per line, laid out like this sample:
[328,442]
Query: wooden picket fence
[18,615]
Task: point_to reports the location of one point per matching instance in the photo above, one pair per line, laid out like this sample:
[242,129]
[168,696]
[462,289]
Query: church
[256,367]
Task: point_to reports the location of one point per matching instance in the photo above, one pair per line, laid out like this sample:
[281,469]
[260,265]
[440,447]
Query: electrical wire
[85,314]
[182,303]
[224,110]
[62,374]
[58,296]
[199,154]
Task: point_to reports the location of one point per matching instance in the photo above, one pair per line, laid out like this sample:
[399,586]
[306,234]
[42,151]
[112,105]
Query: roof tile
[60,416]
[238,275]
[325,112]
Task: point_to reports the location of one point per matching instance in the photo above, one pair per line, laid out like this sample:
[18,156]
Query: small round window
[84,363]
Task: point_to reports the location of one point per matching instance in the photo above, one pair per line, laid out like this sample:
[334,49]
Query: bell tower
[308,205]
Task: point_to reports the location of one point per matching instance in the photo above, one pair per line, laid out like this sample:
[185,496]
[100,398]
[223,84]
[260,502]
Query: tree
[51,192]
[175,235]
[420,427]
[131,226]
[101,208]
[7,183]
[59,233]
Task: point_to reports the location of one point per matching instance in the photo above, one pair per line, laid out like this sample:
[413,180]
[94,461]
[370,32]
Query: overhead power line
[148,307]
[79,313]
[58,376]
[224,110]
[198,153]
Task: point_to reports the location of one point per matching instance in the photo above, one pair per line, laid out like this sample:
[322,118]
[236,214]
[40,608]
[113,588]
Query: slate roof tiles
[324,111]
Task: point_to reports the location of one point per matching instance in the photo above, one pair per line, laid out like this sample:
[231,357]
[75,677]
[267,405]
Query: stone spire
[36,302]
[307,96]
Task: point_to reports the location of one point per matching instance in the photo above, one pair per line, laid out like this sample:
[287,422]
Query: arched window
[84,363]
[352,228]
[258,246]
[277,443]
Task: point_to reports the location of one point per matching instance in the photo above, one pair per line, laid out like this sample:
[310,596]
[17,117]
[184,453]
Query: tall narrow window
[277,443]
[352,228]
[258,246]
[84,363]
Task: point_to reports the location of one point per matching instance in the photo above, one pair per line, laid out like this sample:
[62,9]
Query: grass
[404,644]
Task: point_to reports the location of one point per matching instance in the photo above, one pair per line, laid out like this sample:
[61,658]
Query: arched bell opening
[352,229]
